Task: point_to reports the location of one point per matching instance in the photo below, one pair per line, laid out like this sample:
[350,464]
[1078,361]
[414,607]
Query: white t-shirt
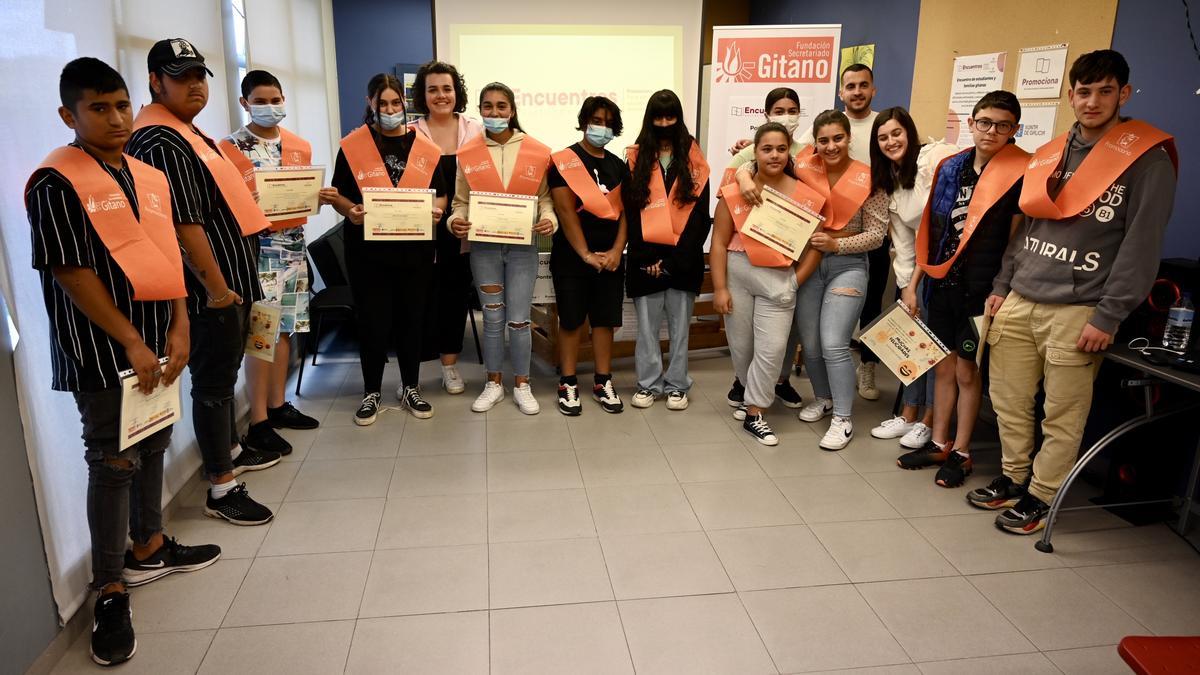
[860,137]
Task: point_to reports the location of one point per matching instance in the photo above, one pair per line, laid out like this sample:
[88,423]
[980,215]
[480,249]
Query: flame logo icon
[732,68]
[91,204]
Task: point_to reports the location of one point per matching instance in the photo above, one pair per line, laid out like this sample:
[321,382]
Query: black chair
[328,255]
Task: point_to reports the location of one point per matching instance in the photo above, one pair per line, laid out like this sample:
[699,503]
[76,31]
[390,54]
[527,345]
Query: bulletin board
[949,29]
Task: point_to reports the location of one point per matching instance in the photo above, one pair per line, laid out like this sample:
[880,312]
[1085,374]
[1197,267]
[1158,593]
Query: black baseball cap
[175,56]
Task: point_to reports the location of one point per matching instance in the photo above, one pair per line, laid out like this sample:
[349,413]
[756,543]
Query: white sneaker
[816,410]
[452,381]
[642,398]
[677,400]
[866,382]
[526,403]
[493,393]
[917,437]
[841,430]
[739,413]
[892,428]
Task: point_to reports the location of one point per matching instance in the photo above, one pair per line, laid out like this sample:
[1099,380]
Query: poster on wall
[973,77]
[864,54]
[1040,71]
[750,61]
[1037,125]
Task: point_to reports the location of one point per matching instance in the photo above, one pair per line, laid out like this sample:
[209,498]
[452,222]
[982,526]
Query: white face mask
[388,122]
[267,115]
[790,122]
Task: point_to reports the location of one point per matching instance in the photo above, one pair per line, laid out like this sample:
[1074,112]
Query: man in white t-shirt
[856,93]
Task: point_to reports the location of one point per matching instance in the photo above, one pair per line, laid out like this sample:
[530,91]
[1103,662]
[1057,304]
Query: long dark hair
[513,123]
[663,103]
[885,175]
[377,86]
[790,167]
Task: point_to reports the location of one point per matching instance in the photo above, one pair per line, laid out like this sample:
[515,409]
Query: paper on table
[398,214]
[903,343]
[145,414]
[501,218]
[286,192]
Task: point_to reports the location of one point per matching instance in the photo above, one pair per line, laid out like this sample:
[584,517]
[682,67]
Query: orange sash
[1108,159]
[663,219]
[367,164]
[1001,173]
[293,151]
[482,175]
[229,181]
[848,194]
[759,253]
[605,206]
[144,247]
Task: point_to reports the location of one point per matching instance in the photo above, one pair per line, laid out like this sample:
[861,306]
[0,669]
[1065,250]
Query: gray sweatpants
[764,299]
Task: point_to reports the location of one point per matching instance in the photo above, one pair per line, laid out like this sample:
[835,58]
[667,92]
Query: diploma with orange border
[142,415]
[903,343]
[501,218]
[397,214]
[286,192]
[781,223]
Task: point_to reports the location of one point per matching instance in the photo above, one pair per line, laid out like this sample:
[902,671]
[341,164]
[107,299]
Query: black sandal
[955,470]
[928,455]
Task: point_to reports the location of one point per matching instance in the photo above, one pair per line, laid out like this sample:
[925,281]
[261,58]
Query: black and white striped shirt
[195,199]
[84,357]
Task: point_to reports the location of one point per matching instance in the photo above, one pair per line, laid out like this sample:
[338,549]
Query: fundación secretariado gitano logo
[794,59]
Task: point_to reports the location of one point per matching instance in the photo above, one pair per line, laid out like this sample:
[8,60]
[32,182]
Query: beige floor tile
[636,509]
[922,613]
[881,550]
[287,589]
[1077,545]
[157,653]
[708,634]
[191,527]
[704,462]
[903,669]
[545,431]
[442,520]
[699,423]
[1089,661]
[426,581]
[542,470]
[1056,609]
[268,486]
[439,475]
[324,527]
[775,557]
[379,441]
[290,649]
[301,440]
[544,514]
[869,455]
[834,498]
[778,462]
[444,436]
[555,572]
[179,602]
[1026,664]
[341,479]
[430,643]
[660,565]
[742,503]
[545,390]
[843,633]
[915,495]
[624,466]
[972,544]
[595,429]
[576,639]
[1162,596]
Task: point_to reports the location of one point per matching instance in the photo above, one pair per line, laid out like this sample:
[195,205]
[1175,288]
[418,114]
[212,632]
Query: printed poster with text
[973,77]
[1040,71]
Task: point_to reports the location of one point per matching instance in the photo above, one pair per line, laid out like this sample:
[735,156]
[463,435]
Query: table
[1151,374]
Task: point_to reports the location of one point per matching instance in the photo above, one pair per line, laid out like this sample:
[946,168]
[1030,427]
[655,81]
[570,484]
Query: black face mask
[663,133]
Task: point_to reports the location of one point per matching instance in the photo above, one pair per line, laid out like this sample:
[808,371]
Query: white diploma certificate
[397,214]
[144,414]
[905,345]
[781,223]
[501,218]
[289,191]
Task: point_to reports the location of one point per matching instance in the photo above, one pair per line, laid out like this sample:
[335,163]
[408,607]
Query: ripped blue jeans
[504,277]
[828,305]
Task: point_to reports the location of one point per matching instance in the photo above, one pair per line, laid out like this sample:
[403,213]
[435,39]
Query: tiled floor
[649,542]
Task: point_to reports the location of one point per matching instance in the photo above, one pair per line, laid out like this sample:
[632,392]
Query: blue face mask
[496,125]
[390,122]
[267,115]
[598,136]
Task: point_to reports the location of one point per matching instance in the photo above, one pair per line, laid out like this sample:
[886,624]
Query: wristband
[211,299]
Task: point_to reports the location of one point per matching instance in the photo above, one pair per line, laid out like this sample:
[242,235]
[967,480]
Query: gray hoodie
[1072,261]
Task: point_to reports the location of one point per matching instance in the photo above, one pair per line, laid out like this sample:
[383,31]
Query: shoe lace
[570,392]
[607,390]
[760,425]
[523,391]
[999,484]
[371,399]
[675,395]
[1026,505]
[450,372]
[413,396]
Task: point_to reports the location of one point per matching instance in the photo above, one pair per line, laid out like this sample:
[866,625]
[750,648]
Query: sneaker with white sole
[917,436]
[643,398]
[568,399]
[493,393]
[756,426]
[417,406]
[892,428]
[368,410]
[739,413]
[606,396]
[838,436]
[677,400]
[525,400]
[813,412]
[452,381]
[866,382]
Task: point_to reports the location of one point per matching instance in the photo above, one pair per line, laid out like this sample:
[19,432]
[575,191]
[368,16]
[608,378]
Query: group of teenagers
[149,242]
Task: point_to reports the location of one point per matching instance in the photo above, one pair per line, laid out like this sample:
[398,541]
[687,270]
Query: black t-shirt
[608,172]
[980,263]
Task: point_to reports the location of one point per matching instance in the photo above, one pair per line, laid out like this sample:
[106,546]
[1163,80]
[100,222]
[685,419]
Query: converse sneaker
[568,399]
[917,436]
[736,395]
[606,396]
[757,426]
[452,381]
[643,398]
[171,557]
[368,410]
[930,454]
[287,417]
[237,507]
[787,394]
[866,382]
[1001,493]
[814,411]
[740,412]
[892,428]
[838,436]
[493,393]
[262,436]
[954,470]
[415,405]
[250,459]
[677,400]
[113,641]
[525,400]
[1026,517]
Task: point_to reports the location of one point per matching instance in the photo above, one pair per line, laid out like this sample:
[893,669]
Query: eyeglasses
[1003,128]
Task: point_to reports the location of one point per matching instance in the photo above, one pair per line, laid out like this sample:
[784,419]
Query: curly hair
[438,68]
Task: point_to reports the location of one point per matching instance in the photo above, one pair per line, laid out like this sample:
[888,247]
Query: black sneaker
[171,557]
[416,405]
[250,459]
[287,417]
[262,436]
[237,507]
[787,394]
[955,470]
[1027,517]
[756,426]
[568,399]
[113,641]
[930,454]
[736,395]
[1001,493]
[368,410]
[606,396]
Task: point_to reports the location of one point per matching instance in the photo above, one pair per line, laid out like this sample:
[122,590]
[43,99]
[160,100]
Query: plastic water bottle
[1178,334]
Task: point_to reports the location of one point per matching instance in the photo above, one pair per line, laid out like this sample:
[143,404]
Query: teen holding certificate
[503,161]
[390,280]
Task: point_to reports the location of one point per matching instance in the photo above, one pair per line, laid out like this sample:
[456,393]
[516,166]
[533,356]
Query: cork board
[948,30]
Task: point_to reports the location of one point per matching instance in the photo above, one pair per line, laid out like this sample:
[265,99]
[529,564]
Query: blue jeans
[677,306]
[829,305]
[513,269]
